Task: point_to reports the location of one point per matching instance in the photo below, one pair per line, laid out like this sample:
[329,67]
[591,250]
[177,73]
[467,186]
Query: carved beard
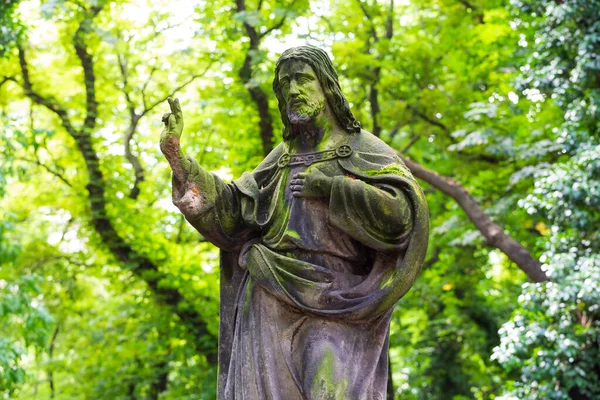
[301,113]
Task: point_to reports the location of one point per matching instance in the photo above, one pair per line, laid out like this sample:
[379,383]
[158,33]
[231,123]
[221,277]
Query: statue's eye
[303,80]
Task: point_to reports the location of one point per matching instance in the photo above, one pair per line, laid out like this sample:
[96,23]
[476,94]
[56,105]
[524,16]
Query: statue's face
[302,92]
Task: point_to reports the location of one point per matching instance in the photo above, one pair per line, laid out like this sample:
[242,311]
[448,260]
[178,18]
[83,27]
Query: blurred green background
[107,293]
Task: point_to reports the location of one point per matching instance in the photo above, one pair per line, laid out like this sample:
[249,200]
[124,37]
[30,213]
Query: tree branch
[145,85]
[433,259]
[279,24]
[132,158]
[250,31]
[125,81]
[374,101]
[161,381]
[257,94]
[276,26]
[328,23]
[88,68]
[175,90]
[7,79]
[370,19]
[47,168]
[50,358]
[395,131]
[48,102]
[493,233]
[373,90]
[428,119]
[133,122]
[389,31]
[474,8]
[414,139]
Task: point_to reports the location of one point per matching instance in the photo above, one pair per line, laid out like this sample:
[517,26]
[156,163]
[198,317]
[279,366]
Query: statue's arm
[209,204]
[378,215]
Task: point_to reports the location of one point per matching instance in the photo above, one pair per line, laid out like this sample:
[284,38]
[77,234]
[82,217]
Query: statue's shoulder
[373,158]
[267,168]
[271,159]
[367,143]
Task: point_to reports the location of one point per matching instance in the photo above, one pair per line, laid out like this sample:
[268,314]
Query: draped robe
[308,284]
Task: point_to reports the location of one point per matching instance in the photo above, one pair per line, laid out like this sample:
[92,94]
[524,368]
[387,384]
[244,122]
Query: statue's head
[305,84]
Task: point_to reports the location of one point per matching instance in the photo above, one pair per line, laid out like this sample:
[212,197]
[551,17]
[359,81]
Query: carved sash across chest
[289,160]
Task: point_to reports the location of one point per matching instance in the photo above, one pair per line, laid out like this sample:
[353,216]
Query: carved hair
[321,64]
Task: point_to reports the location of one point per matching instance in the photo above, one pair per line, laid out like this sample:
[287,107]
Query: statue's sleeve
[378,215]
[212,207]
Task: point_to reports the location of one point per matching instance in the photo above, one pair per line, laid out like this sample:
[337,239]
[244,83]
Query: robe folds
[308,285]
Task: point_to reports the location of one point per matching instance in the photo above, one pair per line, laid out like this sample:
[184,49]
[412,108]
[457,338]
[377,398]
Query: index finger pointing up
[178,113]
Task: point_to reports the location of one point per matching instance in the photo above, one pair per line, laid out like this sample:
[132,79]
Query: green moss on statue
[325,385]
[391,169]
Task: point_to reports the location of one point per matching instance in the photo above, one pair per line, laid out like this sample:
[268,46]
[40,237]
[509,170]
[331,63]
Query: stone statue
[317,245]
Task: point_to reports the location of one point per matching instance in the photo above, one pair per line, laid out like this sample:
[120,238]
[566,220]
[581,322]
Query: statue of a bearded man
[317,244]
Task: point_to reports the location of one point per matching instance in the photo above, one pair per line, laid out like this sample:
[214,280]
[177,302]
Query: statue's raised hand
[173,121]
[169,140]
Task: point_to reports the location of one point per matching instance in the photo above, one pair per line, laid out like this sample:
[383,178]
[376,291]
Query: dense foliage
[106,292]
[553,339]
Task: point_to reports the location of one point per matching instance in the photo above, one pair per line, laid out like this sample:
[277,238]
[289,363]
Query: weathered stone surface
[318,244]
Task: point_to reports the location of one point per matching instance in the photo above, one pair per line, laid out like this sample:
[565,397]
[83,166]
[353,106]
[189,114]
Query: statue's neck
[314,136]
[307,138]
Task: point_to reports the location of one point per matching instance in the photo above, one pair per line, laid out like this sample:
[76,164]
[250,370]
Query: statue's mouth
[299,119]
[296,102]
[297,112]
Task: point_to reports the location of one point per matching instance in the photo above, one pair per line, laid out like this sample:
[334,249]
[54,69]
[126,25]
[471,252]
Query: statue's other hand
[313,184]
[173,121]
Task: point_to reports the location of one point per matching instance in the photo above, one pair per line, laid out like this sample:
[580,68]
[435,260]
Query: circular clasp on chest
[284,160]
[343,151]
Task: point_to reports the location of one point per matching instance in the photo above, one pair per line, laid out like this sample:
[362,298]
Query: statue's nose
[293,88]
